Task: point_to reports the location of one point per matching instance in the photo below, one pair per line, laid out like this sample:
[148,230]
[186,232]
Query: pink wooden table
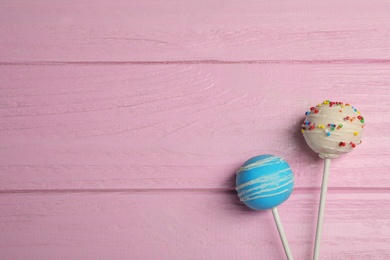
[123,122]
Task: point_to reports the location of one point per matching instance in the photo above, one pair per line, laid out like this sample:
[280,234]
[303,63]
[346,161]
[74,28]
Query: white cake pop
[333,128]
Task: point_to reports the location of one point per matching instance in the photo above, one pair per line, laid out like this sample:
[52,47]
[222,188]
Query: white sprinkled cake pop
[333,128]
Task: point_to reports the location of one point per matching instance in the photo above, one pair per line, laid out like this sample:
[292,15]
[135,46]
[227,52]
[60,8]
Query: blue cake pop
[264,182]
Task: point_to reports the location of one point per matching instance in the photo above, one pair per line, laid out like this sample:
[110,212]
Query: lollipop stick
[321,209]
[282,235]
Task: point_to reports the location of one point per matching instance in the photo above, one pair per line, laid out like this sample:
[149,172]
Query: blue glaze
[264,182]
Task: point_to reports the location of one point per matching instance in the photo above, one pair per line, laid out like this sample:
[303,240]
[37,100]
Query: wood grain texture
[180,126]
[187,225]
[122,124]
[175,30]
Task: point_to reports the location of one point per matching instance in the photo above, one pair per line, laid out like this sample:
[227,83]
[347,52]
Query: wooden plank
[174,30]
[187,225]
[180,126]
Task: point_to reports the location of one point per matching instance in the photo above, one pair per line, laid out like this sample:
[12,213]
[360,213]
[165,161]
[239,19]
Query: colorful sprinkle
[328,128]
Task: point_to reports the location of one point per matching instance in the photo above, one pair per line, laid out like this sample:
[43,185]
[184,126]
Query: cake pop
[264,182]
[331,129]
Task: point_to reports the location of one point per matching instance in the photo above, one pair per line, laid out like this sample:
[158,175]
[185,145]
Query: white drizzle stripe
[262,189]
[268,178]
[341,150]
[261,163]
[264,196]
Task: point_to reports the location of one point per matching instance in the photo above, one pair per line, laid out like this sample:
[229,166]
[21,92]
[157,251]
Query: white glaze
[267,184]
[246,198]
[263,179]
[261,163]
[329,146]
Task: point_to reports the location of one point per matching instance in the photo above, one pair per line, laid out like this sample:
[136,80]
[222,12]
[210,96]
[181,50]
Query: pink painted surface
[186,225]
[175,30]
[122,125]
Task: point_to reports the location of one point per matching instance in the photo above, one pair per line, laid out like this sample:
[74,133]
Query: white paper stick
[320,220]
[282,234]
